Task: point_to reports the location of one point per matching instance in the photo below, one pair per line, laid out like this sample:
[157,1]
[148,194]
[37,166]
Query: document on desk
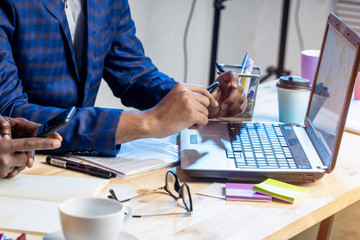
[30,202]
[138,156]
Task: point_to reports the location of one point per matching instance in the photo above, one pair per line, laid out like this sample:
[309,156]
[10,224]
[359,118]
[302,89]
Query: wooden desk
[218,219]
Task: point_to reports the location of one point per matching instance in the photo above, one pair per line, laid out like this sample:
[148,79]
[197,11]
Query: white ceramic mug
[93,218]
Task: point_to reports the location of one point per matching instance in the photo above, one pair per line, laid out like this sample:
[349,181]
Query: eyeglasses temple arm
[136,196]
[113,194]
[160,214]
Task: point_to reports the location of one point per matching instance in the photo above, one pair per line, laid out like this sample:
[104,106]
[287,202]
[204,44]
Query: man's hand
[17,145]
[184,106]
[230,96]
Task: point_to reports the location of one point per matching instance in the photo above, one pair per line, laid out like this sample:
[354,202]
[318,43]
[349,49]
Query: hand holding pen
[231,97]
[215,86]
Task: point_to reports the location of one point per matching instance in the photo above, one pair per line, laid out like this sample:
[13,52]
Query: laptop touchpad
[211,140]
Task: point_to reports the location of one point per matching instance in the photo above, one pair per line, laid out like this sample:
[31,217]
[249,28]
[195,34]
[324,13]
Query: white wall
[246,25]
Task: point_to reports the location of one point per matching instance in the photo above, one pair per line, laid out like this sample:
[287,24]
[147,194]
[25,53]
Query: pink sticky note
[244,192]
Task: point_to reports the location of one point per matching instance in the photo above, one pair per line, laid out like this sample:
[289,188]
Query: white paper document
[30,202]
[216,190]
[138,156]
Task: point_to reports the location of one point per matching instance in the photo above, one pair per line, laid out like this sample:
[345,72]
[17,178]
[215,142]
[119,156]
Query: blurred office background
[252,26]
[245,25]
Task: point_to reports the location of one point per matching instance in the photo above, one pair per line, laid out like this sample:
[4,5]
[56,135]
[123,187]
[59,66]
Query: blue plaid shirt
[39,77]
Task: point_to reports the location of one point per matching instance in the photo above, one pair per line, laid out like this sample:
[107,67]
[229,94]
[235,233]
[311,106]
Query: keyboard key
[229,154]
[259,155]
[237,149]
[249,154]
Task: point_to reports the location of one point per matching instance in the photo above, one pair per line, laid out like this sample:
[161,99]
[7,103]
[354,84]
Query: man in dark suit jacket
[53,55]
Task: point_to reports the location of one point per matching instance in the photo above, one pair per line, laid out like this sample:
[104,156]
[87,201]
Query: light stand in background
[218,5]
[280,71]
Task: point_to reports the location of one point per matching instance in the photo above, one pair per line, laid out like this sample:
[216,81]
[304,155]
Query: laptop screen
[330,95]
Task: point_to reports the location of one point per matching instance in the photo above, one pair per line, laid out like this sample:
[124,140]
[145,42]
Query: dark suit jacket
[39,77]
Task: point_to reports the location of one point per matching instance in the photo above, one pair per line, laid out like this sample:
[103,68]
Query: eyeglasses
[173,188]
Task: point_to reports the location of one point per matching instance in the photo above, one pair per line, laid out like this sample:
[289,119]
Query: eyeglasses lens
[186,197]
[172,184]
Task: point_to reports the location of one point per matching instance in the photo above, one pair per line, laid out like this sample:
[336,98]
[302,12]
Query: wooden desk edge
[317,216]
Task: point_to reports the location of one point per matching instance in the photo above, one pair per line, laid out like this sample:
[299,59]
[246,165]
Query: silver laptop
[253,151]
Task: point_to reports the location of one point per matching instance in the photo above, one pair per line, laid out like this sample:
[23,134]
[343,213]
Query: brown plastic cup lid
[293,83]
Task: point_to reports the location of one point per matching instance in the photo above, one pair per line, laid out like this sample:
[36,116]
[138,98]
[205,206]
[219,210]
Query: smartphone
[56,123]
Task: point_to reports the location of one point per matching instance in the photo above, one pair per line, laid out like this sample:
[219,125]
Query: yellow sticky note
[285,191]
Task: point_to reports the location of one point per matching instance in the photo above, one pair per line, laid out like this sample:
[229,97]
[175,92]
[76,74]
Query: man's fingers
[233,105]
[204,92]
[228,76]
[22,127]
[28,144]
[12,164]
[30,158]
[201,122]
[229,79]
[5,135]
[55,135]
[13,173]
[5,128]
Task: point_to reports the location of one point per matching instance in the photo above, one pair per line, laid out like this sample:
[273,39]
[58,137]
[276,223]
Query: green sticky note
[281,190]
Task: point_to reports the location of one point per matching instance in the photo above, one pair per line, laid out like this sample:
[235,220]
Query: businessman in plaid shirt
[53,55]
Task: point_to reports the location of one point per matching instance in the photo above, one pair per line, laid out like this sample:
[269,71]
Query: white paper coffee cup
[293,97]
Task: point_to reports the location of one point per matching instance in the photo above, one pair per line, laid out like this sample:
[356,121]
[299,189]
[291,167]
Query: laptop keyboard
[261,145]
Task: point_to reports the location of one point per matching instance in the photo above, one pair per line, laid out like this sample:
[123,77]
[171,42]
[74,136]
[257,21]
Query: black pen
[213,87]
[84,168]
